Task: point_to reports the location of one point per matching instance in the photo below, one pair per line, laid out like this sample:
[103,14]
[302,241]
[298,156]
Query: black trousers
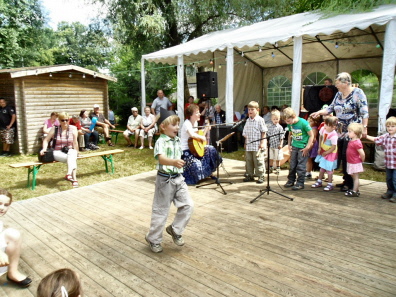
[342,148]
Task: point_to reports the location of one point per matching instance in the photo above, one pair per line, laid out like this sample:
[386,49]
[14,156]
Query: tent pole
[388,74]
[230,85]
[143,85]
[297,66]
[180,88]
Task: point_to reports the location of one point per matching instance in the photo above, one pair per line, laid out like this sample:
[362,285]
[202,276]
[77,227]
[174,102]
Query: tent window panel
[315,78]
[279,91]
[369,83]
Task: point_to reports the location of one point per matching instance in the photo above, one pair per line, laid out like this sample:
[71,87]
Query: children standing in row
[301,133]
[275,134]
[327,153]
[355,157]
[254,133]
[388,141]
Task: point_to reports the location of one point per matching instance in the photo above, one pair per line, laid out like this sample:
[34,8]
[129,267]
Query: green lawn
[91,171]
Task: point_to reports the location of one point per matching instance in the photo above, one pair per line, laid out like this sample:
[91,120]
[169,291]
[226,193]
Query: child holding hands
[388,141]
[170,185]
[355,157]
[327,153]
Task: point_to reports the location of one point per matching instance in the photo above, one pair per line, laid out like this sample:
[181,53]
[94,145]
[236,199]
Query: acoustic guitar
[197,146]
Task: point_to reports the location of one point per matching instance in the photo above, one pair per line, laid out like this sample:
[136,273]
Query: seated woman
[66,148]
[10,247]
[49,123]
[196,168]
[147,127]
[86,123]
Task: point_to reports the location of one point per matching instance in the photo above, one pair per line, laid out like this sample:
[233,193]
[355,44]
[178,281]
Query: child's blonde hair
[288,113]
[391,121]
[253,104]
[275,114]
[356,128]
[171,120]
[52,284]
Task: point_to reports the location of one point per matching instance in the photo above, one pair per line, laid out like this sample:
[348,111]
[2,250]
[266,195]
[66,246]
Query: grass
[91,171]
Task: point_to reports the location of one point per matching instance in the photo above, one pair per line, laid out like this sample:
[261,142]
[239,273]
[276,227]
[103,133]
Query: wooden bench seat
[115,133]
[34,167]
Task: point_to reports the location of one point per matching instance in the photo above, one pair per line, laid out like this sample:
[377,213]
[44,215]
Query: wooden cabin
[37,91]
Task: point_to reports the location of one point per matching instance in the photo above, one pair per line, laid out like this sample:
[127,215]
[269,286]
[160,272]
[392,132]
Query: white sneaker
[151,147]
[141,148]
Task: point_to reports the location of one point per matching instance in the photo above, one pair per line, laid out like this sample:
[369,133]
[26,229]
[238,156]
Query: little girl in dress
[327,153]
[355,157]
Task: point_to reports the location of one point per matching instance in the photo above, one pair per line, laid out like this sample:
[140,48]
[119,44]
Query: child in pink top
[327,153]
[355,157]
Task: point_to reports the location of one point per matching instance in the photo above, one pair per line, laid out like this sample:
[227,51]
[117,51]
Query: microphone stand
[268,188]
[219,146]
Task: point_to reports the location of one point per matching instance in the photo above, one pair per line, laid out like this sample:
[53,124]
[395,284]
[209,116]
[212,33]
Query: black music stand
[268,188]
[219,147]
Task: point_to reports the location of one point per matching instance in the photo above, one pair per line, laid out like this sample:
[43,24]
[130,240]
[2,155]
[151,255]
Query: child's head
[191,99]
[331,121]
[253,108]
[5,201]
[170,126]
[356,129]
[314,122]
[58,282]
[289,115]
[191,110]
[266,109]
[275,117]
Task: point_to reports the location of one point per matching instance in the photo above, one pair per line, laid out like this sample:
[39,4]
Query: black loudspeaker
[230,145]
[207,84]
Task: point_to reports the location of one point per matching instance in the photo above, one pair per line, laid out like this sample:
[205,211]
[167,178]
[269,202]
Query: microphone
[237,124]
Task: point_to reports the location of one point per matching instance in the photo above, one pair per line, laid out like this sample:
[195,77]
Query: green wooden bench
[34,167]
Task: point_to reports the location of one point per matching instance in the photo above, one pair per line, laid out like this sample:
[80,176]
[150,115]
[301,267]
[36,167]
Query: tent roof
[338,37]
[28,71]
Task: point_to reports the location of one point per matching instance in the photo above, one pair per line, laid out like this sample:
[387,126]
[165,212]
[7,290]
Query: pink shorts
[354,168]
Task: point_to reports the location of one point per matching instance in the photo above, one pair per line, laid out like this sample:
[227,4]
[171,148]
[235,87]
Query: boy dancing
[301,132]
[170,185]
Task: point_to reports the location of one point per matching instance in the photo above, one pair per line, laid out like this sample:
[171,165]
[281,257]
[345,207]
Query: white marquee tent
[292,46]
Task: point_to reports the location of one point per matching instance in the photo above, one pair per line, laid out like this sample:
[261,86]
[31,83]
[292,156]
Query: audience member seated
[10,247]
[102,124]
[147,128]
[86,123]
[75,121]
[133,126]
[66,148]
[219,116]
[49,123]
[267,115]
[190,101]
[245,115]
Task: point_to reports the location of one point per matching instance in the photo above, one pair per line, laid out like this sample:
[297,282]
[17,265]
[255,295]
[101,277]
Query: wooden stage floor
[320,244]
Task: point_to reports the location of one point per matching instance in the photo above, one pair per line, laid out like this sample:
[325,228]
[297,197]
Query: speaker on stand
[207,85]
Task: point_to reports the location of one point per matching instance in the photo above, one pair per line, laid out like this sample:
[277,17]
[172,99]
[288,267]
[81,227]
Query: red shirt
[78,124]
[352,153]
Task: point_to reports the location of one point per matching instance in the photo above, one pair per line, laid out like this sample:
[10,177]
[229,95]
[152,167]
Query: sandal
[69,178]
[110,144]
[317,185]
[328,188]
[75,184]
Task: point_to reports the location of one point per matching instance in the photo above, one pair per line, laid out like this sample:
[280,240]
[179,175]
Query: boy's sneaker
[393,199]
[298,187]
[386,196]
[248,179]
[289,184]
[155,247]
[260,180]
[351,193]
[308,176]
[177,239]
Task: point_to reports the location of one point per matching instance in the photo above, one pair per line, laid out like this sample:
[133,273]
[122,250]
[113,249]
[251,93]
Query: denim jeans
[298,165]
[391,181]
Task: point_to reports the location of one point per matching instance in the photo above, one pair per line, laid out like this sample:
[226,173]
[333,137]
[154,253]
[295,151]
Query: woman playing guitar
[202,160]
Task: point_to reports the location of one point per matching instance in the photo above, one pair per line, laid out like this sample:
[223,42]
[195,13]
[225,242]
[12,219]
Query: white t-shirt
[184,135]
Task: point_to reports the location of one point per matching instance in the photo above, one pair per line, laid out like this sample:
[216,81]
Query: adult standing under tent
[7,126]
[160,101]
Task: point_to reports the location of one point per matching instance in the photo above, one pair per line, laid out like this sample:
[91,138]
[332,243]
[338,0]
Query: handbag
[48,156]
